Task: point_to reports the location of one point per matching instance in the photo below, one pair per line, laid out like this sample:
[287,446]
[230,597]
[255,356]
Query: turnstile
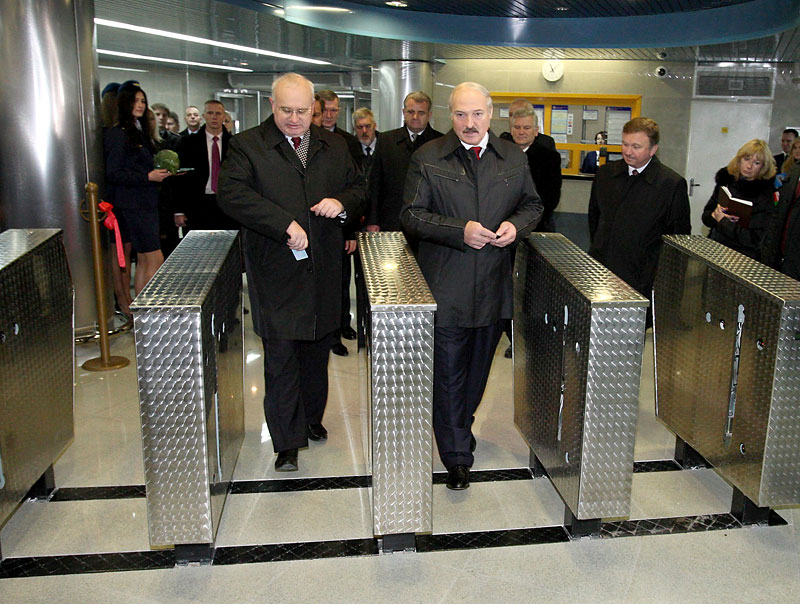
[399,342]
[727,350]
[578,342]
[188,332]
[36,362]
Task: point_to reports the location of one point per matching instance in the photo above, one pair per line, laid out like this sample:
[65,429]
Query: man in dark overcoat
[634,201]
[469,196]
[392,156]
[292,186]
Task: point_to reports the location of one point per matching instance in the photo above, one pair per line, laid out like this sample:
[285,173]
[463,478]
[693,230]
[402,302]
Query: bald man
[292,186]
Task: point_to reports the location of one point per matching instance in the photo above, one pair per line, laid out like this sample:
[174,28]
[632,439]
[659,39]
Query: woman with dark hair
[748,176]
[133,183]
[589,165]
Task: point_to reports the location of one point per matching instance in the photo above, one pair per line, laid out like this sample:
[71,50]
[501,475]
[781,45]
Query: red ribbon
[111,224]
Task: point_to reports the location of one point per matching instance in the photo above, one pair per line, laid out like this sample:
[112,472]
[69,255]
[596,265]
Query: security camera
[661,55]
[661,71]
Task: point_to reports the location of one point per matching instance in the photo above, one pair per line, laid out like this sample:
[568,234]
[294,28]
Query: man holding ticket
[292,186]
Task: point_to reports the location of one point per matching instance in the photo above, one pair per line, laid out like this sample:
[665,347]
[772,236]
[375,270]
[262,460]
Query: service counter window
[587,129]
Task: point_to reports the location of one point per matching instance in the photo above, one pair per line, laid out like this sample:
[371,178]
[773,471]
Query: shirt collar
[639,170]
[484,142]
[413,135]
[371,145]
[210,137]
[302,136]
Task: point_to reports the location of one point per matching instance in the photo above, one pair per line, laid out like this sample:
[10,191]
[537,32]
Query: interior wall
[176,87]
[786,105]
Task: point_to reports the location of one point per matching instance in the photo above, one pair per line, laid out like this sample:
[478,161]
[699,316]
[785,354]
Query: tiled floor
[752,564]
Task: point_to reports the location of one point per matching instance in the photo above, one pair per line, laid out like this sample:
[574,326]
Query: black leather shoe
[339,349]
[316,432]
[473,444]
[509,352]
[348,333]
[287,461]
[458,478]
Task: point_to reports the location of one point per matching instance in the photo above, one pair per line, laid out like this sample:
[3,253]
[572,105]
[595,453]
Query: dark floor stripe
[325,483]
[250,554]
[300,484]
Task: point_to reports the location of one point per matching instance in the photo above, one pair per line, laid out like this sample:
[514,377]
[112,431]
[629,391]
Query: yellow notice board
[573,120]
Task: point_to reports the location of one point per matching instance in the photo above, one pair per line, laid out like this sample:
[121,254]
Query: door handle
[692,185]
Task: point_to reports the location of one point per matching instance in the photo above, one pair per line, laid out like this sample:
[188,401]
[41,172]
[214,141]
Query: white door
[717,130]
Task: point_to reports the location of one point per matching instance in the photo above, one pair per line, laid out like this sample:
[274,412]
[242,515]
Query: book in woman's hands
[735,206]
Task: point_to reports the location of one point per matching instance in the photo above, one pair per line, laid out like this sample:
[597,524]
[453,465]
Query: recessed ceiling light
[128,55]
[176,36]
[562,8]
[397,4]
[326,9]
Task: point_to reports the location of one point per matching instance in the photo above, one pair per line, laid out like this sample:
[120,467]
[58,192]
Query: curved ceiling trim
[747,21]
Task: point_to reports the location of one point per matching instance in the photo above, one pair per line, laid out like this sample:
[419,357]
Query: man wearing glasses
[292,186]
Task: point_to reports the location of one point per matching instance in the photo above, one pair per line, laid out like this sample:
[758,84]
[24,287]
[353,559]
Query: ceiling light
[562,8]
[185,38]
[397,4]
[327,9]
[122,68]
[128,55]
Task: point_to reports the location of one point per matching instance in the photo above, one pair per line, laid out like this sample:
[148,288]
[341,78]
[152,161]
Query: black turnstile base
[746,511]
[44,487]
[536,467]
[687,457]
[194,553]
[402,542]
[580,528]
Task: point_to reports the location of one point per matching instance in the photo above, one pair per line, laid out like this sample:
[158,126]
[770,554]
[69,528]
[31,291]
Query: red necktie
[296,142]
[215,163]
[476,151]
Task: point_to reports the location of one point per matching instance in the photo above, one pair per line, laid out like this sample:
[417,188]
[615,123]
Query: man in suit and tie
[787,138]
[392,157]
[192,118]
[366,133]
[539,138]
[634,201]
[195,195]
[330,114]
[469,198]
[781,244]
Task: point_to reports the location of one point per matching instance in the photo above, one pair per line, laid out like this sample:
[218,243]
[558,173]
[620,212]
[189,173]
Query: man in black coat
[634,202]
[392,156]
[539,138]
[787,138]
[192,118]
[195,193]
[469,196]
[292,186]
[781,245]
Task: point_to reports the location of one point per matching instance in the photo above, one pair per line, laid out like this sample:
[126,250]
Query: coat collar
[649,175]
[452,142]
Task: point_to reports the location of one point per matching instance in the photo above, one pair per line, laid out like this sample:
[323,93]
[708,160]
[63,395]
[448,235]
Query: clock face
[553,70]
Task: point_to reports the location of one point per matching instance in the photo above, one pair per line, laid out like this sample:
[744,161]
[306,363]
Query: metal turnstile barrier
[36,362]
[578,343]
[400,357]
[188,332]
[727,349]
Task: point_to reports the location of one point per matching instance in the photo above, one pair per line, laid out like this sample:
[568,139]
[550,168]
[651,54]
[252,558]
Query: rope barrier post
[105,362]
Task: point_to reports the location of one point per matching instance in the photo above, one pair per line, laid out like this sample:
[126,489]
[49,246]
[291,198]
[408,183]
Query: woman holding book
[747,182]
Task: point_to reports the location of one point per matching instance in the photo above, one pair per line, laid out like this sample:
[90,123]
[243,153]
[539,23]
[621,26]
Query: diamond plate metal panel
[400,358]
[578,343]
[727,345]
[36,340]
[189,355]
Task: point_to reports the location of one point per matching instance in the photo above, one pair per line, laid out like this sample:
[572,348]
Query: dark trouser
[461,363]
[296,388]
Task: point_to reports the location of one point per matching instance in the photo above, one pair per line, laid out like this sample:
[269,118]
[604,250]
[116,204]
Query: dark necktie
[634,172]
[215,163]
[413,137]
[476,151]
[296,142]
[368,151]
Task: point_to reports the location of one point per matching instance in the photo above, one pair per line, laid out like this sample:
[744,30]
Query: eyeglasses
[300,112]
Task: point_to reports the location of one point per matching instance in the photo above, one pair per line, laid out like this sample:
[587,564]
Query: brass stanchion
[105,361]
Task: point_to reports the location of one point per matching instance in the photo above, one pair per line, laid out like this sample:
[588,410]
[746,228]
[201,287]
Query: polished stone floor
[750,564]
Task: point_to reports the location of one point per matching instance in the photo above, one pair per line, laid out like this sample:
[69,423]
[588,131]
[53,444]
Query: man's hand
[298,240]
[180,220]
[350,246]
[476,235]
[373,228]
[506,234]
[328,208]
